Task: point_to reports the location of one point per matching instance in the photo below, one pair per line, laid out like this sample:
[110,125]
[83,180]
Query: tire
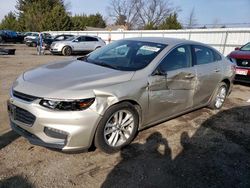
[67,51]
[219,96]
[117,128]
[33,44]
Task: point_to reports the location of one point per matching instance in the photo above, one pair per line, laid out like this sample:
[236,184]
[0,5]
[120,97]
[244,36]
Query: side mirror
[237,48]
[159,72]
[76,40]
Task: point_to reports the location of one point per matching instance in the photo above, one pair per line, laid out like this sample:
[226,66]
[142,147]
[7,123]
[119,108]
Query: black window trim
[169,51]
[194,56]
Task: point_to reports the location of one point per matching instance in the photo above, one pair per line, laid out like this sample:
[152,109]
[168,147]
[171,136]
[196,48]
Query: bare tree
[153,12]
[191,21]
[125,9]
[141,13]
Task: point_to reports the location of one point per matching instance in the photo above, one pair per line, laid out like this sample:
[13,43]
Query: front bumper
[65,130]
[55,51]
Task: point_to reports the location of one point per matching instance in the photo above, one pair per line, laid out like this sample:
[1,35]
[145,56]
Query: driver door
[80,44]
[172,85]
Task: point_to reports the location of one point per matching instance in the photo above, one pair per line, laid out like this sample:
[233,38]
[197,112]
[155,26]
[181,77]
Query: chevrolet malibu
[106,97]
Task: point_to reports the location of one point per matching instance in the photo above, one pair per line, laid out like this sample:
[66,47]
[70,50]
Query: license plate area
[241,71]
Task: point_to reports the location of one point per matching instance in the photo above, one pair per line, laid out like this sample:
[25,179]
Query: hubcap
[119,128]
[220,97]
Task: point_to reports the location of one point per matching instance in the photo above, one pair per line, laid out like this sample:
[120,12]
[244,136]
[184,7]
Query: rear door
[91,43]
[208,67]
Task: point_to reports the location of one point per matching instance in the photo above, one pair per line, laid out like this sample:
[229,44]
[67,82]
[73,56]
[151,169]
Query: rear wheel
[117,128]
[67,51]
[219,96]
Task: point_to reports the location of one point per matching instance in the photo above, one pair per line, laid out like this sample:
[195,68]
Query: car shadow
[15,181]
[216,155]
[7,138]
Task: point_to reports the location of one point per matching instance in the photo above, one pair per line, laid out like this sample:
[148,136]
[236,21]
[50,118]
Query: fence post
[225,43]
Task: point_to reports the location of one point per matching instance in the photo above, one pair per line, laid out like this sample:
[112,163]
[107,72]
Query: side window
[81,39]
[178,58]
[217,56]
[203,55]
[91,39]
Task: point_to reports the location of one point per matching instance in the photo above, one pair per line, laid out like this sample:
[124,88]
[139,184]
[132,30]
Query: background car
[10,36]
[33,40]
[77,44]
[108,95]
[241,58]
[49,41]
[30,36]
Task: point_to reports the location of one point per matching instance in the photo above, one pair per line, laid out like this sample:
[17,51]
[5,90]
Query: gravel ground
[204,148]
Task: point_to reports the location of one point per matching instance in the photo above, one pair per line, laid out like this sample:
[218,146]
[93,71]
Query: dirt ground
[204,148]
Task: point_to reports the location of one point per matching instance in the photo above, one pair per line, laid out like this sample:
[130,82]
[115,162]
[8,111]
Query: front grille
[242,78]
[24,97]
[24,116]
[243,63]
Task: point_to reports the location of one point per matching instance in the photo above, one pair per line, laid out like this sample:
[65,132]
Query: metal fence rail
[224,40]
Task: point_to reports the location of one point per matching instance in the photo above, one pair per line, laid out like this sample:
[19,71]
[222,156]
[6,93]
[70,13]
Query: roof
[164,40]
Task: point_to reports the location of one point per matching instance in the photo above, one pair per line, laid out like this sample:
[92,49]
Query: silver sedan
[107,96]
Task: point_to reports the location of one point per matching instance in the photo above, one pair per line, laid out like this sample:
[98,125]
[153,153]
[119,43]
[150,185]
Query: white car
[76,44]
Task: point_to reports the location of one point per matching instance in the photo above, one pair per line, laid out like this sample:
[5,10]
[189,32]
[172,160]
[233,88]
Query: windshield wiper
[104,64]
[85,58]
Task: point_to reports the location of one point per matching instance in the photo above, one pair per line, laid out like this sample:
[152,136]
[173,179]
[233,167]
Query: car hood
[238,54]
[68,80]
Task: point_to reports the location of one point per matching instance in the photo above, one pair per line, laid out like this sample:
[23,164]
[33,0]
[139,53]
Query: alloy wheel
[119,128]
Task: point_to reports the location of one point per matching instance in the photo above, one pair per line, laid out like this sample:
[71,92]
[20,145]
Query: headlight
[72,105]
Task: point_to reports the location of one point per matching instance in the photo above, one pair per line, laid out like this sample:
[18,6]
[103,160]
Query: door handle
[189,76]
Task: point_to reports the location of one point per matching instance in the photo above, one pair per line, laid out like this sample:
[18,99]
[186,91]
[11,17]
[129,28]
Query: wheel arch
[228,83]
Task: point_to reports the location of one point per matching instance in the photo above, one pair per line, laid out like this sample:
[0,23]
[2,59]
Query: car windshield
[125,55]
[245,47]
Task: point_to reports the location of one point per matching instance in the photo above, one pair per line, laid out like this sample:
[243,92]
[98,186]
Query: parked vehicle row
[107,96]
[11,36]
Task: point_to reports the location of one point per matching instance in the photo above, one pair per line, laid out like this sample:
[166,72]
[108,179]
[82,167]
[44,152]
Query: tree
[171,22]
[9,22]
[80,22]
[192,21]
[124,11]
[153,12]
[96,20]
[146,14]
[121,20]
[35,15]
[57,20]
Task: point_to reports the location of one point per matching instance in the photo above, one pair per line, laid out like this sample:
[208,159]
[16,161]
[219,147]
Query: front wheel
[67,51]
[117,128]
[219,97]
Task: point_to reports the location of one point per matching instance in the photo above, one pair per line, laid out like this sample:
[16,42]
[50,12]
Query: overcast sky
[206,11]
